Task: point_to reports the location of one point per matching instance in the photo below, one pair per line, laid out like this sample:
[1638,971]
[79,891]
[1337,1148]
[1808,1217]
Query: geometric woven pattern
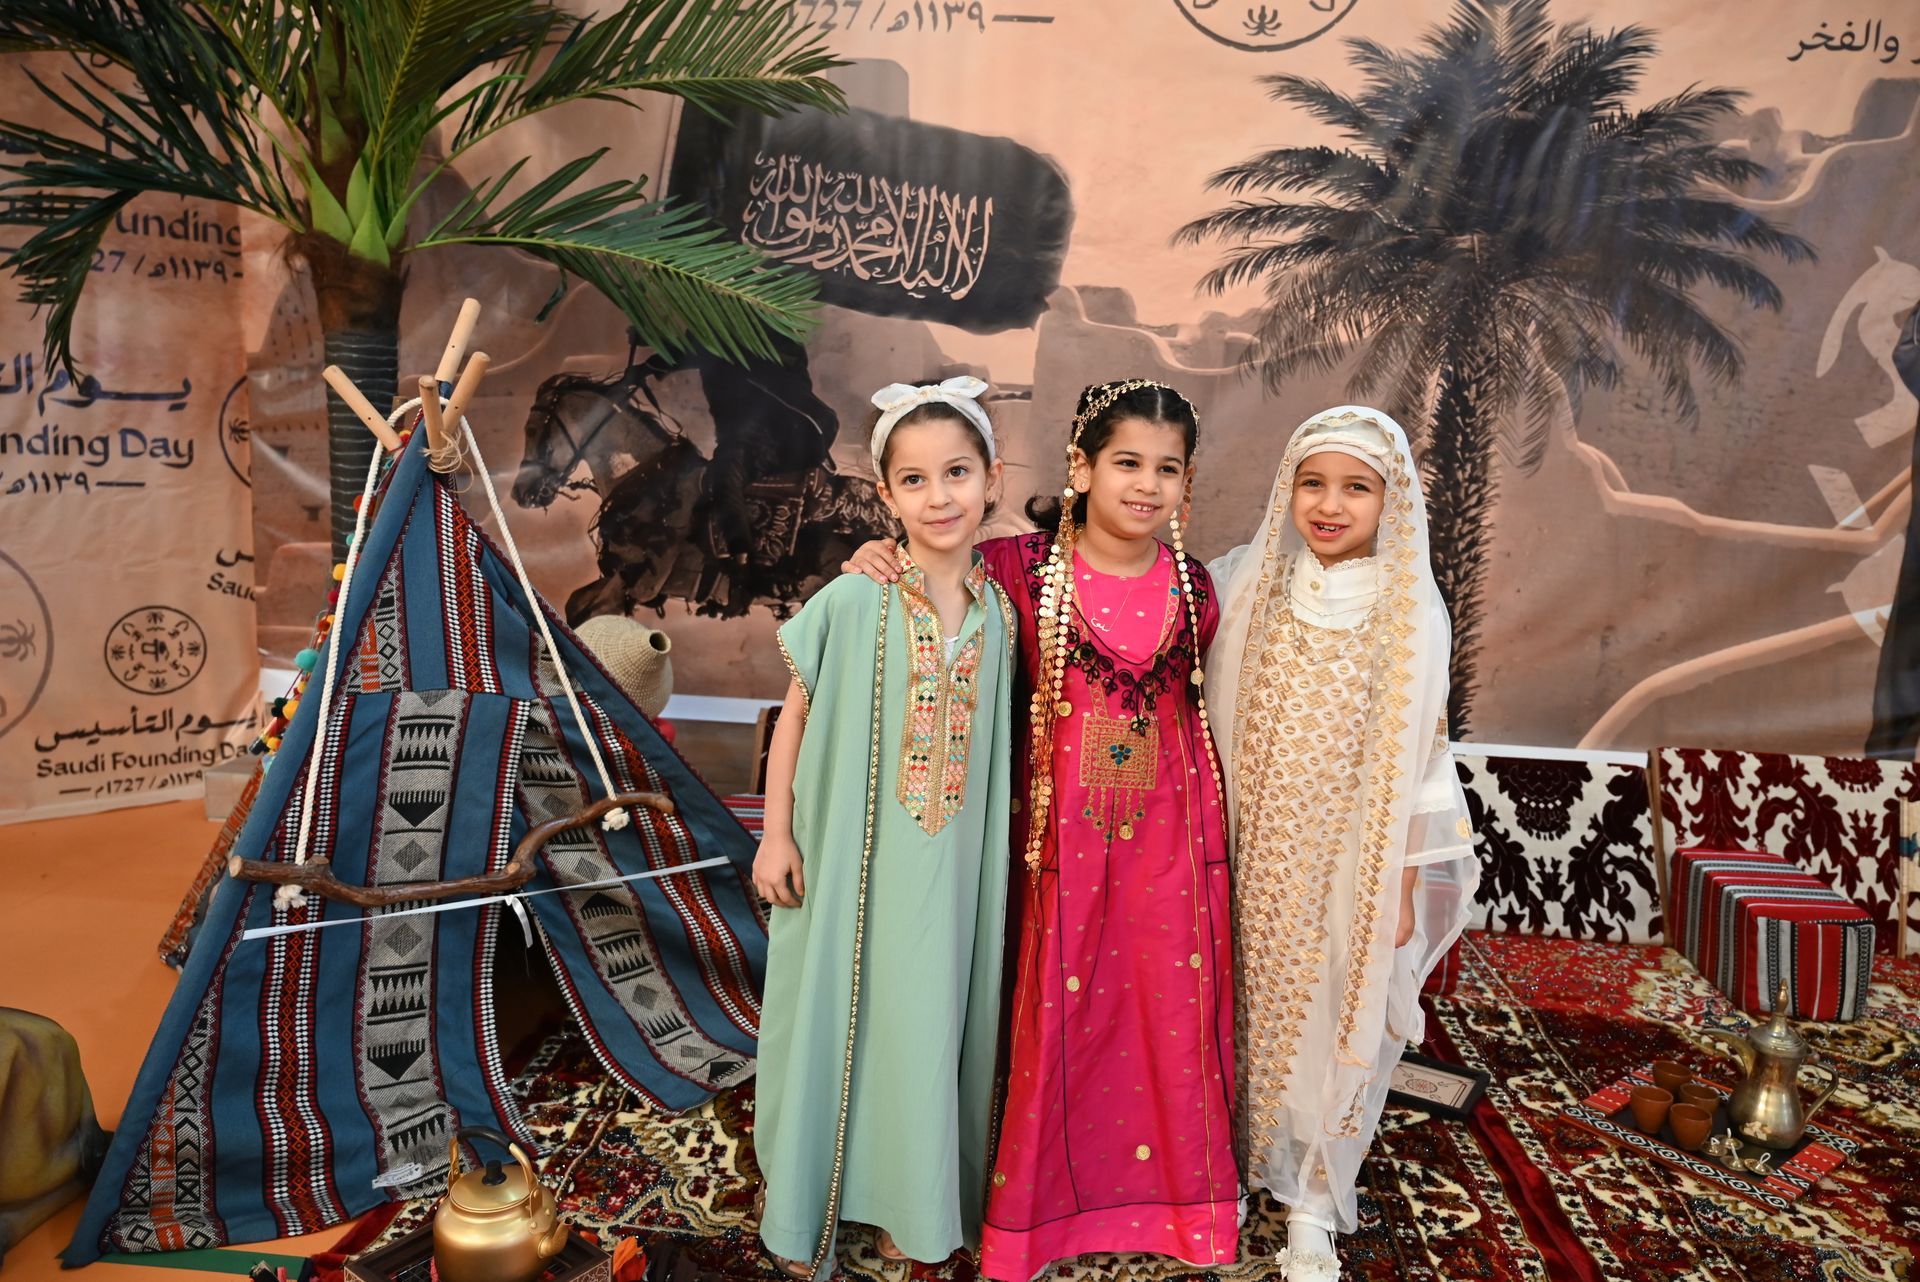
[295,1081]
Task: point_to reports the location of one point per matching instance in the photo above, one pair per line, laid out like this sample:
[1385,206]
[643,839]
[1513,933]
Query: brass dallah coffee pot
[1766,1108]
[494,1225]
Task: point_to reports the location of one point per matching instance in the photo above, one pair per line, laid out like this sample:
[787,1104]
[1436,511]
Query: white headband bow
[896,400]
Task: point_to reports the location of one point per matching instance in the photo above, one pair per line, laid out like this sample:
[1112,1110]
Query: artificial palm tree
[319,114]
[1496,220]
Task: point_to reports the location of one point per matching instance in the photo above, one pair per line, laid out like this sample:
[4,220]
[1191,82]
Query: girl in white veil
[1354,864]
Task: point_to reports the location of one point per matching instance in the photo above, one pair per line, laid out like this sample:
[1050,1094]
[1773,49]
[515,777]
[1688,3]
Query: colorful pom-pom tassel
[307,660]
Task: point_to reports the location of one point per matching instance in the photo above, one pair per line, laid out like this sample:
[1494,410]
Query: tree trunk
[1896,690]
[370,356]
[359,304]
[1458,475]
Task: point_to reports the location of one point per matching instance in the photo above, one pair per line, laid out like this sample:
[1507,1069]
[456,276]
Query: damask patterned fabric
[1566,848]
[299,1079]
[1836,817]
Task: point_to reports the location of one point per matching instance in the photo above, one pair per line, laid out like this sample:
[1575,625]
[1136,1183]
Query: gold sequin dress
[1339,778]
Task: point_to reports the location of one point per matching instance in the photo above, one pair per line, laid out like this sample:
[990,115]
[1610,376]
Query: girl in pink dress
[1116,1129]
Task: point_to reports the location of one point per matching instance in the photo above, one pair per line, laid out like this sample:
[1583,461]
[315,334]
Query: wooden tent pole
[362,408]
[457,342]
[430,412]
[463,393]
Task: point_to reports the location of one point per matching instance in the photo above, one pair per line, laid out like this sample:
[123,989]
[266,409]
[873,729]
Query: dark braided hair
[1152,402]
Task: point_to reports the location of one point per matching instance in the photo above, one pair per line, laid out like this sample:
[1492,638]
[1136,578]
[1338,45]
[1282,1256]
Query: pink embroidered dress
[1116,1131]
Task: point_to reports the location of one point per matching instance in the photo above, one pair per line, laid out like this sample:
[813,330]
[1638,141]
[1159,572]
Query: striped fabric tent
[298,1080]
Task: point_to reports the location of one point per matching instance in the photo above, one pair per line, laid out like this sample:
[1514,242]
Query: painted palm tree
[334,117]
[1495,223]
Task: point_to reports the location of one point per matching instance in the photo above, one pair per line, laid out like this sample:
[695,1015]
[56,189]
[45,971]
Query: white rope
[614,820]
[290,896]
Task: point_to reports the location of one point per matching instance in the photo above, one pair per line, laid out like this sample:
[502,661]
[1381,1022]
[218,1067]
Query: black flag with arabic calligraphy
[895,217]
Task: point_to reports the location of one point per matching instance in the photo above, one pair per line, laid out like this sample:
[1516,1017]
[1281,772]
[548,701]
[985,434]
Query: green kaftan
[928,925]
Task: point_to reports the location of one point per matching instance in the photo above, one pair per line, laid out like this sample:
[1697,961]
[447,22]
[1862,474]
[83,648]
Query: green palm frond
[57,258]
[272,45]
[401,58]
[41,26]
[319,114]
[170,111]
[169,114]
[716,54]
[674,274]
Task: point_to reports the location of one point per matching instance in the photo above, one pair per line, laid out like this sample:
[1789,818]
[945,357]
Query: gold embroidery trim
[825,1245]
[786,656]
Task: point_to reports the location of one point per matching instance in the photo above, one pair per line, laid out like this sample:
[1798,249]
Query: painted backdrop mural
[1671,394]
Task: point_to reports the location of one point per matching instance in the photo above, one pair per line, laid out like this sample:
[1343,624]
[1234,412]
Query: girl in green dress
[885,860]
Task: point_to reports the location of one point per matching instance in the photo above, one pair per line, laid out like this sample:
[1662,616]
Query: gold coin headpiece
[1105,394]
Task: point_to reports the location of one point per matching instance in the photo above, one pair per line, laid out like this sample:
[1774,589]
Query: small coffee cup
[1691,1125]
[1669,1076]
[1650,1105]
[1700,1097]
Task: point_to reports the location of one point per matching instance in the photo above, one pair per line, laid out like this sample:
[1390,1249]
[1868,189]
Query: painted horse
[673,524]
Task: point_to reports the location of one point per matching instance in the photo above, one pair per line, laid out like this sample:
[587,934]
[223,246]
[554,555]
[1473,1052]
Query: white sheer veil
[1408,809]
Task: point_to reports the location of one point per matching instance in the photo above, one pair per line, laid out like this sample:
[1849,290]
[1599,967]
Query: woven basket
[635,655]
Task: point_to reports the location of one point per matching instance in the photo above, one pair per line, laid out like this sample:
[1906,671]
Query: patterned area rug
[1514,1193]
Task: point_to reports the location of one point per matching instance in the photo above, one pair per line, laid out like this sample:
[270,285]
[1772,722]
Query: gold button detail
[1073,983]
[999,1179]
[1063,708]
[1142,1153]
[1014,805]
[1126,832]
[1194,961]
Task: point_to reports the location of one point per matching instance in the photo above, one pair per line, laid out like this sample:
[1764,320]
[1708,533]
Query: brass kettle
[1766,1107]
[494,1225]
